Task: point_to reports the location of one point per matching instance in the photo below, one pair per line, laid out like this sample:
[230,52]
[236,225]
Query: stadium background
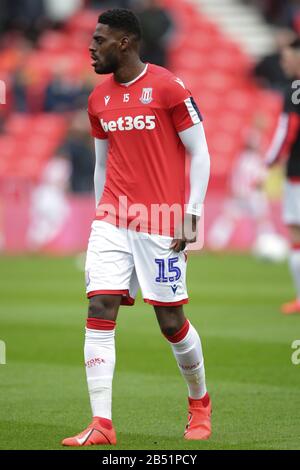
[218,49]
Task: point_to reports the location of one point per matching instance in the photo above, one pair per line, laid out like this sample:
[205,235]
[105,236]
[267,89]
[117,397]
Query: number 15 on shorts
[167,270]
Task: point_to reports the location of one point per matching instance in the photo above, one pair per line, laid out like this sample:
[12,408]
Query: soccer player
[143,120]
[286,146]
[247,198]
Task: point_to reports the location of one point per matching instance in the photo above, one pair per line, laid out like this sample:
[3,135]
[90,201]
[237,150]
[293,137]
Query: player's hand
[188,233]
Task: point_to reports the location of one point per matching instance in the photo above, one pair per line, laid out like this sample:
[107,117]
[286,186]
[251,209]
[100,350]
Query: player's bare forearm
[187,233]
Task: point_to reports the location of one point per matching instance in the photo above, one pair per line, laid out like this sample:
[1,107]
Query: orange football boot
[199,419]
[99,432]
[291,308]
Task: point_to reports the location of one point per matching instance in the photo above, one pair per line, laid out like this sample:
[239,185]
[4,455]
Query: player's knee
[169,330]
[170,319]
[295,234]
[102,308]
[170,324]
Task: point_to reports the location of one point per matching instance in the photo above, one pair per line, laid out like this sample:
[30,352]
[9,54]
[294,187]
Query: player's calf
[187,349]
[99,354]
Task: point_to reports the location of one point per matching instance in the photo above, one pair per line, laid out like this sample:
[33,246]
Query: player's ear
[124,43]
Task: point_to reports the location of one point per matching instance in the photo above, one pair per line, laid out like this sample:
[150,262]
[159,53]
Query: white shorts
[291,203]
[119,261]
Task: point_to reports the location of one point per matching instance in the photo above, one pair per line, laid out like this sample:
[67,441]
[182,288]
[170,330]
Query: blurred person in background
[248,198]
[286,147]
[282,13]
[27,16]
[59,11]
[158,27]
[19,87]
[49,207]
[15,52]
[268,71]
[106,4]
[65,92]
[274,11]
[79,150]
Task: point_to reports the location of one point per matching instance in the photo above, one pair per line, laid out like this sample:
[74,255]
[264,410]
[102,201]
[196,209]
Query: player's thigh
[294,232]
[109,267]
[160,270]
[105,307]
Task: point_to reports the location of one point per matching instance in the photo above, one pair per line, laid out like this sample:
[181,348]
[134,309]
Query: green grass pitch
[247,345]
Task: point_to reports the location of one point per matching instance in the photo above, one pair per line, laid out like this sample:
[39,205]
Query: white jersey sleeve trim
[192,111]
[278,140]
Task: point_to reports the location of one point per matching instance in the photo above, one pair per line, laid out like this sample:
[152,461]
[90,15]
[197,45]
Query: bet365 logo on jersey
[128,123]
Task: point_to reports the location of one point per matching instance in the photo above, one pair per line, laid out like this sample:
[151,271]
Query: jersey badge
[146,97]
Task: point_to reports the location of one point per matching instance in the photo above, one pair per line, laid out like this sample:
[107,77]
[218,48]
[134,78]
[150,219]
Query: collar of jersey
[132,82]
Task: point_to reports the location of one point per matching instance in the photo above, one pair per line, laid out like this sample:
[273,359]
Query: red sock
[204,400]
[105,423]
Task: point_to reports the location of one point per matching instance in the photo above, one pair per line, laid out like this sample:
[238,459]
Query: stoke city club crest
[146,97]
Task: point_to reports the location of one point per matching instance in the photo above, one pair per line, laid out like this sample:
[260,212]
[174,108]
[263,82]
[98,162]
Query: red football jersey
[146,158]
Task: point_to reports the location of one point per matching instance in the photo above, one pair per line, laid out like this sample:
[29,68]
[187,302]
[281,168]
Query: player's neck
[129,71]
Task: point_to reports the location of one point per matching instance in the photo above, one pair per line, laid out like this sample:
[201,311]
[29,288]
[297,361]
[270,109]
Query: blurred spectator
[106,4]
[157,27]
[66,92]
[284,13]
[268,70]
[59,11]
[27,16]
[79,149]
[15,51]
[49,207]
[247,196]
[19,91]
[32,16]
[273,10]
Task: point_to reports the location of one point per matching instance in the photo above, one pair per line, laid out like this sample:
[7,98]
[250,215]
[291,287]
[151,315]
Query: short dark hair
[122,19]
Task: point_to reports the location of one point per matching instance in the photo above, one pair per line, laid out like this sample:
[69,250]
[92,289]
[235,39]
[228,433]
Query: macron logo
[106,100]
[180,82]
[174,289]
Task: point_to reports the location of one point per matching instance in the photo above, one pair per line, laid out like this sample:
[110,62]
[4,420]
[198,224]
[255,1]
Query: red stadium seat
[84,20]
[31,140]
